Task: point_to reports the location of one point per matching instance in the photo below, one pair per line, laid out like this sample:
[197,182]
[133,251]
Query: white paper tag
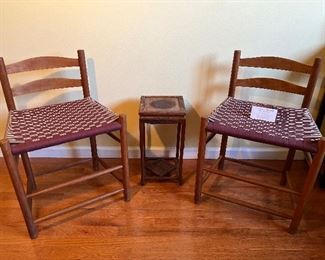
[264,113]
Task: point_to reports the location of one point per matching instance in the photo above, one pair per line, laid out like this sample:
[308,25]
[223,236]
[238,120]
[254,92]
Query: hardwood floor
[160,222]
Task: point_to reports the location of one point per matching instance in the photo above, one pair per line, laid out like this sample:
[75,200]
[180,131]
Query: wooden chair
[319,121]
[293,128]
[45,126]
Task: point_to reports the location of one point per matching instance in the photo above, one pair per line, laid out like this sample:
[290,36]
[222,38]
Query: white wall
[139,48]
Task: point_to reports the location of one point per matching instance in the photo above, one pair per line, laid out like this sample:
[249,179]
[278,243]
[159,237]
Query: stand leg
[142,150]
[182,137]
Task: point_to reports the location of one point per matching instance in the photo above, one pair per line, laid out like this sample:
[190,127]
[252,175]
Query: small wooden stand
[162,110]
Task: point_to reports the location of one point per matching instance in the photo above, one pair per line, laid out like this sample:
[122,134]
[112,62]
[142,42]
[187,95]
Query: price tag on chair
[264,113]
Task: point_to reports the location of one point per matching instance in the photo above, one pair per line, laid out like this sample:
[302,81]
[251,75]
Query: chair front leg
[19,188]
[124,156]
[308,186]
[200,161]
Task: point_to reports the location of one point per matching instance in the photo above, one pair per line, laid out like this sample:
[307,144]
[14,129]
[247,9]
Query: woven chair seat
[293,128]
[36,128]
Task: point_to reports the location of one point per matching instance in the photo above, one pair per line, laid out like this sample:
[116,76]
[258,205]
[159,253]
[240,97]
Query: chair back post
[83,73]
[6,86]
[234,73]
[311,83]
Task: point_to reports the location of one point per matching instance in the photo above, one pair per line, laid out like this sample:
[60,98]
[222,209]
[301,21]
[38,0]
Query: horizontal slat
[160,157]
[209,137]
[114,137]
[39,63]
[250,181]
[205,177]
[289,184]
[162,178]
[45,84]
[77,206]
[75,181]
[253,164]
[270,83]
[105,165]
[308,158]
[249,205]
[275,63]
[60,168]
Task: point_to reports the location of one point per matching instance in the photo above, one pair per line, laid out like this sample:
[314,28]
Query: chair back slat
[270,83]
[40,63]
[276,63]
[45,84]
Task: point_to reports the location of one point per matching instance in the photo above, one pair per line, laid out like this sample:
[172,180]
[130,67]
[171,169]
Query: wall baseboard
[189,153]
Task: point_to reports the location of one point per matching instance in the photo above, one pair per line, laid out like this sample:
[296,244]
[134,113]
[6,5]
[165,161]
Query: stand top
[162,106]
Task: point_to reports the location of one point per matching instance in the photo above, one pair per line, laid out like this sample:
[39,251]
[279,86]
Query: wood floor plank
[160,222]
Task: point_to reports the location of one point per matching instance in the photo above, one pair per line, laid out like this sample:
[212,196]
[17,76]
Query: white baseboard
[189,153]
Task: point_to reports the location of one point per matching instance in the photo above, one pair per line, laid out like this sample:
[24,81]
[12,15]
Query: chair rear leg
[94,153]
[28,170]
[200,161]
[19,189]
[31,183]
[308,186]
[222,153]
[287,166]
[124,157]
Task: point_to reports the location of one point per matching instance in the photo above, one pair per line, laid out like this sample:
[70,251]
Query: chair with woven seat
[48,125]
[292,128]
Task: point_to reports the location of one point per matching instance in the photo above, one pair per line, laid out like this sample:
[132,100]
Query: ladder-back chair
[292,128]
[48,125]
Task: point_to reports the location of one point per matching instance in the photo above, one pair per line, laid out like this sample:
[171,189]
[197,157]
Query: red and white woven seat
[293,127]
[41,127]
